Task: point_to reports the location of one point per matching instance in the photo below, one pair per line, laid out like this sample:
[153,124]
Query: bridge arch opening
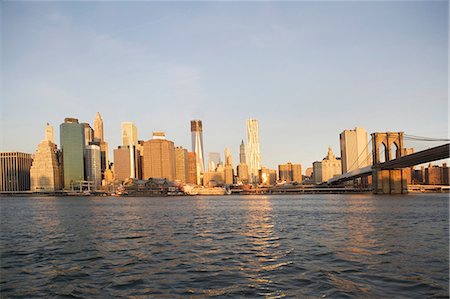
[383,153]
[394,151]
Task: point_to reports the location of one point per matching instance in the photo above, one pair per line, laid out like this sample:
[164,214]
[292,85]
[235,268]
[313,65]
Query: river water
[314,246]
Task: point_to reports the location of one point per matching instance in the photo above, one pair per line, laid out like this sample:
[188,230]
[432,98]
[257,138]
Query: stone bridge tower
[385,147]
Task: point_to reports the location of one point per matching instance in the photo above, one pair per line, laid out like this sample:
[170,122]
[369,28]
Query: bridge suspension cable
[359,156]
[421,138]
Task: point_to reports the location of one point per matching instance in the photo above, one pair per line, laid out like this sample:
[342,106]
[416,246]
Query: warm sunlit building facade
[192,168]
[45,173]
[197,147]
[254,154]
[329,167]
[159,159]
[267,177]
[242,173]
[123,168]
[181,164]
[290,173]
[129,134]
[354,149]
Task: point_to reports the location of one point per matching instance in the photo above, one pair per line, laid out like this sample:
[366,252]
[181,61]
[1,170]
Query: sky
[306,70]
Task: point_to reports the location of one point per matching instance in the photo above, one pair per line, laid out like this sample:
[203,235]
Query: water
[334,246]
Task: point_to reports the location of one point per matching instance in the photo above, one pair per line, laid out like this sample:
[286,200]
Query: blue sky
[305,70]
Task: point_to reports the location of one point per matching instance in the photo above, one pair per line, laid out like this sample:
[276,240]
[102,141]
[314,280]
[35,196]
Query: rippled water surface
[271,246]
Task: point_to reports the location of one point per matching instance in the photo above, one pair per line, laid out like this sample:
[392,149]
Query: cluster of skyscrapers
[161,158]
[82,161]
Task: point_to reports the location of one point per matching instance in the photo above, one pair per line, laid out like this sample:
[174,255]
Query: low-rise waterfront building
[242,173]
[290,173]
[267,177]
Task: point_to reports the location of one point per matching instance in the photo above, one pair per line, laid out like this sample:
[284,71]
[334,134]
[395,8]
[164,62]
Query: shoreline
[27,194]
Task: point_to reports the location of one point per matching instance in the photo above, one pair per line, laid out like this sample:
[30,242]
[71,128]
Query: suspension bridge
[389,161]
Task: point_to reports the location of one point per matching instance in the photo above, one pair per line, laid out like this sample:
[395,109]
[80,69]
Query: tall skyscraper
[354,149]
[49,133]
[228,158]
[129,134]
[159,158]
[228,168]
[99,139]
[181,164]
[130,140]
[98,128]
[123,166]
[192,168]
[197,147]
[92,165]
[242,157]
[45,169]
[88,134]
[254,154]
[15,171]
[72,147]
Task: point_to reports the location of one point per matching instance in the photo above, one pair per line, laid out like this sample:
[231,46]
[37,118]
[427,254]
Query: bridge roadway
[425,156]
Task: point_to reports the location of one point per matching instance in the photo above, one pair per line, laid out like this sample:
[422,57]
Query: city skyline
[306,71]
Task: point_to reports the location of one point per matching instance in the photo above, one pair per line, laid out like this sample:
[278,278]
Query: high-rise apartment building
[92,165]
[197,147]
[290,172]
[192,168]
[72,147]
[354,149]
[45,173]
[181,164]
[123,168]
[254,154]
[15,171]
[159,159]
[129,134]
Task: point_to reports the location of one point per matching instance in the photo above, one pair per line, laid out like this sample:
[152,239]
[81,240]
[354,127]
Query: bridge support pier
[392,181]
